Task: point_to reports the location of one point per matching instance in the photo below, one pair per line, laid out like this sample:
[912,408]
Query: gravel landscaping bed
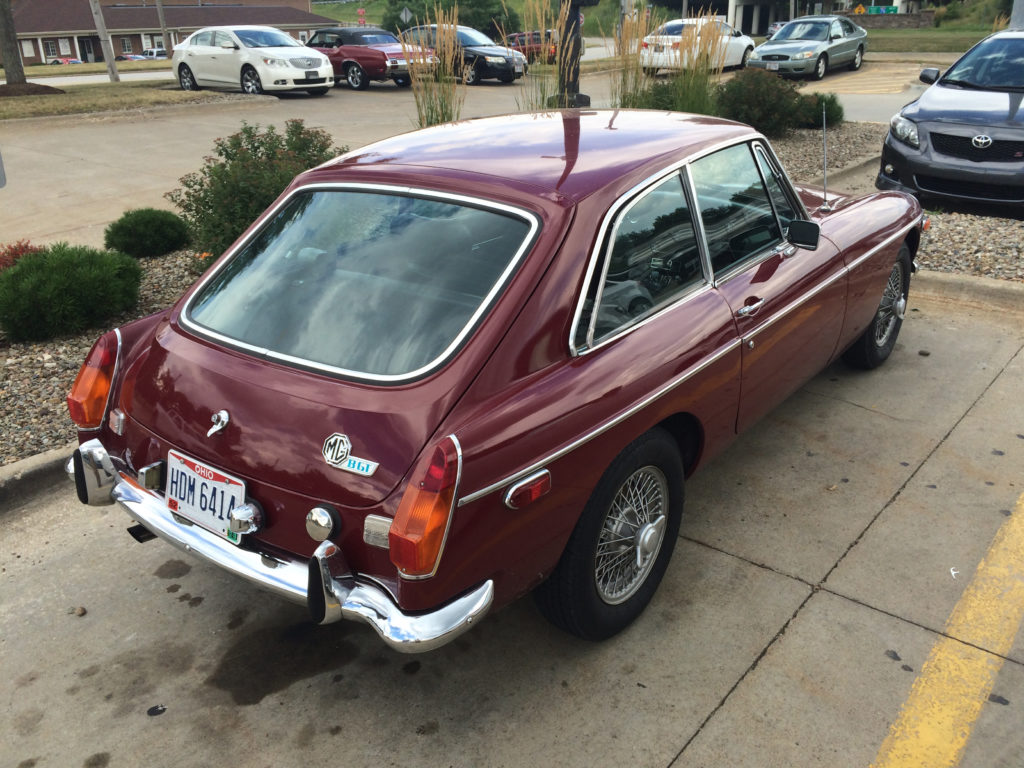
[36,377]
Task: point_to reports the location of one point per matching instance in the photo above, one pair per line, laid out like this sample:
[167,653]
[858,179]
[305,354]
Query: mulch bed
[27,89]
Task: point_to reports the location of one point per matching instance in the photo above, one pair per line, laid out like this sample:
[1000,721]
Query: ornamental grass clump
[65,289]
[146,232]
[248,171]
[438,85]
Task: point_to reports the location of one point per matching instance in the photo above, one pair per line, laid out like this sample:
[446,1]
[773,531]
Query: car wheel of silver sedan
[820,67]
[875,345]
[858,59]
[622,543]
[251,82]
[186,79]
[746,57]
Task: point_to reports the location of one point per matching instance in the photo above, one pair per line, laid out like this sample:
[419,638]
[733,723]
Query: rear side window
[651,259]
[366,284]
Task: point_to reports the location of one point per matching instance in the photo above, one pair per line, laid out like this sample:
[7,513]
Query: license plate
[659,48]
[519,67]
[773,65]
[202,494]
[312,74]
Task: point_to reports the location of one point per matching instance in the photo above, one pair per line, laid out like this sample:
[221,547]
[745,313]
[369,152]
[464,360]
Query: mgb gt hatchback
[456,366]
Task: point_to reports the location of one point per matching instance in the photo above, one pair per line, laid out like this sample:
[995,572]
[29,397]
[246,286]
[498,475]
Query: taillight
[418,531]
[88,399]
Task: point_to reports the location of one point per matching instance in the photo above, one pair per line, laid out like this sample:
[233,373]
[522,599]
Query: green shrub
[65,289]
[146,232]
[9,254]
[247,174]
[809,112]
[761,99]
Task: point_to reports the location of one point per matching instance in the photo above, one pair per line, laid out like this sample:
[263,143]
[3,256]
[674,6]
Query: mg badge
[337,453]
[981,141]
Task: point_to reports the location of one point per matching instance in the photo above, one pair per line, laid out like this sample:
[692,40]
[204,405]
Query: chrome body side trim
[613,422]
[347,596]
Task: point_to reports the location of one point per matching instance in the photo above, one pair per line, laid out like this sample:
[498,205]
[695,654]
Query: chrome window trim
[598,431]
[637,191]
[485,306]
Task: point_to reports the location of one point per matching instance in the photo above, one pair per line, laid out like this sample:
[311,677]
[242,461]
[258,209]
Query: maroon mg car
[480,359]
[362,54]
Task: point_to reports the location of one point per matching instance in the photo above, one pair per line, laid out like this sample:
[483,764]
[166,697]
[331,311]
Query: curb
[27,477]
[22,479]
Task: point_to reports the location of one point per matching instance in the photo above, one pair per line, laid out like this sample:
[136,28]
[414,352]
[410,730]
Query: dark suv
[964,137]
[482,58]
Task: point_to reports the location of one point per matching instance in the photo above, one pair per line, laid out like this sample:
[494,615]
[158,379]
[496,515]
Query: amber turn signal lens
[418,531]
[88,399]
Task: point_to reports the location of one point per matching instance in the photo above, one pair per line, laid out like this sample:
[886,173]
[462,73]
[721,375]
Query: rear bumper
[324,583]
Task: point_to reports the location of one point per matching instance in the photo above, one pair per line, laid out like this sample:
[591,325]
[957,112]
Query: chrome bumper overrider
[324,584]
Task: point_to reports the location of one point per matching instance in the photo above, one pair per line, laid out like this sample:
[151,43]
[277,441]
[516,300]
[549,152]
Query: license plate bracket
[203,494]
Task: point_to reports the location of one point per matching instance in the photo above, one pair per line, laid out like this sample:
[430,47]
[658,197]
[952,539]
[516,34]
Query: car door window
[837,29]
[651,258]
[221,39]
[848,28]
[738,218]
[202,38]
[777,186]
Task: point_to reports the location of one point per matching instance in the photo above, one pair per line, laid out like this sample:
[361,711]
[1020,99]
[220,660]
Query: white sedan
[674,43]
[254,59]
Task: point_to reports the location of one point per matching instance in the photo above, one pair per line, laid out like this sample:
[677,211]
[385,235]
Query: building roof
[67,17]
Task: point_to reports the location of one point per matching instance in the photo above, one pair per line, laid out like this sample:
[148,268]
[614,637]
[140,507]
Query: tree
[9,46]
[491,17]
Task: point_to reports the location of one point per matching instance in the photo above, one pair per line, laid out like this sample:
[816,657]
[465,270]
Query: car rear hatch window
[368,283]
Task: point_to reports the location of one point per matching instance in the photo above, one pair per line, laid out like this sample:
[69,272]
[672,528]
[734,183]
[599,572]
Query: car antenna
[825,207]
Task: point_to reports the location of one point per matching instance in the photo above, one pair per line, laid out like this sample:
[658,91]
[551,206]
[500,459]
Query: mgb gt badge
[337,449]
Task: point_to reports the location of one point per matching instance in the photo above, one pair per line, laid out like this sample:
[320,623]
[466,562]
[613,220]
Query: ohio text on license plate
[202,494]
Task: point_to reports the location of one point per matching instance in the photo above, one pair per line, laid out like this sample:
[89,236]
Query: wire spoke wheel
[892,307]
[631,535]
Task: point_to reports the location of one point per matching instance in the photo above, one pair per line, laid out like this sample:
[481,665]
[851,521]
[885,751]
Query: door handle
[750,309]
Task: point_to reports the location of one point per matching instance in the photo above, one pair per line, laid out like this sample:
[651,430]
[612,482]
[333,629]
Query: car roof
[352,28]
[568,153]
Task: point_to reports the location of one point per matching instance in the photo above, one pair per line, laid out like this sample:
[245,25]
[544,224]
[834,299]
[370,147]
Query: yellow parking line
[935,723]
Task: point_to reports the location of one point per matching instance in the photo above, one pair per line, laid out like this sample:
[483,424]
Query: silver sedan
[812,45]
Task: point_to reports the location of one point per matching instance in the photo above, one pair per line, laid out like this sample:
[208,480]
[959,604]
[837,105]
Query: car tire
[356,76]
[251,82]
[746,57]
[874,346]
[470,75]
[186,79]
[403,81]
[858,59]
[318,91]
[598,589]
[820,67]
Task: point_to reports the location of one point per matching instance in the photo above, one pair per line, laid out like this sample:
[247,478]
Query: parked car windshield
[376,38]
[803,30]
[266,38]
[369,284]
[997,63]
[472,37]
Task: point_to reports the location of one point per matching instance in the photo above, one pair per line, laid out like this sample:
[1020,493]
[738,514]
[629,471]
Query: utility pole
[1017,15]
[107,48]
[163,28]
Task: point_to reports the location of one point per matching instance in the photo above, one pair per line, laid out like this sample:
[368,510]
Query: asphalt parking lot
[848,589]
[824,560]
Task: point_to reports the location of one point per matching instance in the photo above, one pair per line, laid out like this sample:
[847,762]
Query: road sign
[405,15]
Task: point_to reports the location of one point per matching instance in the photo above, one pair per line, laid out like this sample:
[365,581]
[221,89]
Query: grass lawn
[107,97]
[934,40]
[52,70]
